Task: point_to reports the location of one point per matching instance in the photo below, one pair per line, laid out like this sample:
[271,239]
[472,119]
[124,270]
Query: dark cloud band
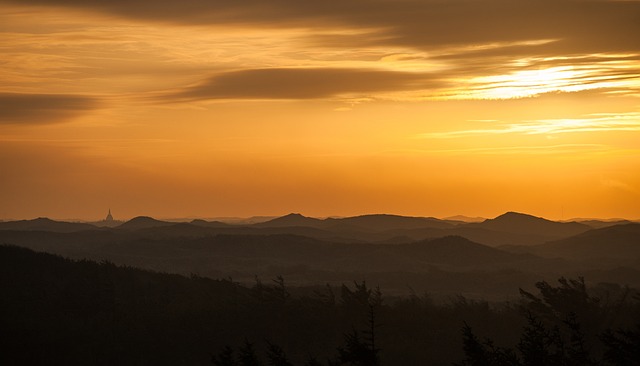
[283,83]
[17,108]
[584,26]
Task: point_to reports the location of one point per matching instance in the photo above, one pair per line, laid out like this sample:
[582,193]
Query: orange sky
[204,108]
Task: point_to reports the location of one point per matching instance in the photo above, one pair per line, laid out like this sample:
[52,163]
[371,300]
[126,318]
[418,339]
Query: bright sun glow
[527,83]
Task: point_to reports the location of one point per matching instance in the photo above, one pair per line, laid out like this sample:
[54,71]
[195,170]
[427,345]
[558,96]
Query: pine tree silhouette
[224,358]
[276,356]
[247,355]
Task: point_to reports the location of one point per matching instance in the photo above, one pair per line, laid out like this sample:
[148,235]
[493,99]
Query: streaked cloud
[528,78]
[583,25]
[489,49]
[617,184]
[601,122]
[16,108]
[526,150]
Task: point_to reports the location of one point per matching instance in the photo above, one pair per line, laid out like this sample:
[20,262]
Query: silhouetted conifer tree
[280,289]
[312,361]
[224,358]
[327,297]
[371,333]
[247,355]
[258,289]
[540,346]
[561,343]
[577,352]
[276,356]
[487,354]
[622,347]
[474,351]
[357,352]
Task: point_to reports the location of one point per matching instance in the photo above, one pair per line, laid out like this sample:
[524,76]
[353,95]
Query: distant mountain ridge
[143,222]
[516,222]
[463,218]
[511,228]
[376,222]
[291,220]
[597,224]
[46,224]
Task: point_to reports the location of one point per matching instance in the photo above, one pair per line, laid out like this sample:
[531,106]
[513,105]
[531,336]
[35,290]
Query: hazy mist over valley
[443,257]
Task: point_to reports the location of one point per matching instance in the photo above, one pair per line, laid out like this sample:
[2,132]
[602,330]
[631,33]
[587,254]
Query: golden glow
[600,122]
[160,116]
[528,83]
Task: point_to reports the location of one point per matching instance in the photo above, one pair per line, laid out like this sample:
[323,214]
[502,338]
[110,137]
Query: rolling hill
[514,222]
[613,242]
[143,222]
[291,220]
[46,224]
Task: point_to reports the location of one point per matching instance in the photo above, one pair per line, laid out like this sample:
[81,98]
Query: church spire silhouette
[109,217]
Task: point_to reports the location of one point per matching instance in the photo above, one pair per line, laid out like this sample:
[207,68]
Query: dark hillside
[613,242]
[45,224]
[143,222]
[56,311]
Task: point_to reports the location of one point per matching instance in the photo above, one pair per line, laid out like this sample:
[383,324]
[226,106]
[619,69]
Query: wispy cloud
[511,150]
[487,49]
[585,26]
[601,122]
[617,184]
[528,150]
[527,80]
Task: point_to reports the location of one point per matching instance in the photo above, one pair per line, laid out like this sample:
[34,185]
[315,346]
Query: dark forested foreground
[58,311]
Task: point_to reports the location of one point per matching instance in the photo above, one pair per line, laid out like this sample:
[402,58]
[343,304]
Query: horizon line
[190,218]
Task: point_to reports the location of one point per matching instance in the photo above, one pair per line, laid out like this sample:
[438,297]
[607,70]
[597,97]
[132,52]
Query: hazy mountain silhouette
[176,230]
[450,263]
[210,224]
[291,220]
[597,224]
[46,224]
[383,222]
[462,218]
[370,223]
[143,222]
[508,229]
[185,248]
[514,222]
[244,220]
[618,241]
[455,250]
[474,233]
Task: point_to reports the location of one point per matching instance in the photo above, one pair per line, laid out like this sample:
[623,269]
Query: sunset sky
[206,108]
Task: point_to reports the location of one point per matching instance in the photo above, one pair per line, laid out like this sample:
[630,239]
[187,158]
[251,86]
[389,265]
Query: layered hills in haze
[508,229]
[396,252]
